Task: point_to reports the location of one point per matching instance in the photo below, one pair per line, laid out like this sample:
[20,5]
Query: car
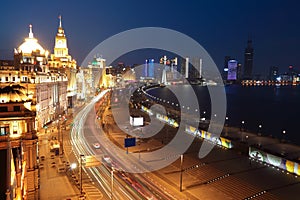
[96,145]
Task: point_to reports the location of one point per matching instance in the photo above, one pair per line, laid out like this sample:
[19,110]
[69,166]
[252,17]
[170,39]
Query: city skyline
[222,28]
[79,112]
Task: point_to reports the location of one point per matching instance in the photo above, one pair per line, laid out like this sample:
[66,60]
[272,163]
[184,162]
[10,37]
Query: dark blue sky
[221,27]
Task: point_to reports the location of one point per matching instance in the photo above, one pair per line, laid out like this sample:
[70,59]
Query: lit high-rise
[248,63]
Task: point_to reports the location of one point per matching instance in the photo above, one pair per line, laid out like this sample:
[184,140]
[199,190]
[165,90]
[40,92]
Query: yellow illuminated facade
[46,88]
[61,61]
[18,144]
[35,88]
[31,44]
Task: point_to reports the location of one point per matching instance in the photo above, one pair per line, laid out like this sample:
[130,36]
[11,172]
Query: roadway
[85,133]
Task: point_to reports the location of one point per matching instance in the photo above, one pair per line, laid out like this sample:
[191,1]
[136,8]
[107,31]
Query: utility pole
[81,157]
[112,182]
[181,162]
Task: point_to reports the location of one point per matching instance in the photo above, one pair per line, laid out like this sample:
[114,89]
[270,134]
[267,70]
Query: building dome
[31,44]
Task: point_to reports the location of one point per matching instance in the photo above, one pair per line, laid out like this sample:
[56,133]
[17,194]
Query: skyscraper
[273,73]
[248,64]
[225,70]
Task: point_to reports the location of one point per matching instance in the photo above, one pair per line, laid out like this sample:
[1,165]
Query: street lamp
[112,182]
[242,130]
[259,129]
[226,120]
[283,133]
[73,166]
[226,125]
[181,162]
[81,158]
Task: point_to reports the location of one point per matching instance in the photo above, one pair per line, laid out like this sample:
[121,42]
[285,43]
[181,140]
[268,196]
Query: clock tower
[60,61]
[60,48]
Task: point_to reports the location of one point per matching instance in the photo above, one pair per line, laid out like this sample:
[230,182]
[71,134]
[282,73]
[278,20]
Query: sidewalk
[223,174]
[53,185]
[56,185]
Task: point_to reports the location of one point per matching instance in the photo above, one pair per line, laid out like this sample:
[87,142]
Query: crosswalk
[68,149]
[91,192]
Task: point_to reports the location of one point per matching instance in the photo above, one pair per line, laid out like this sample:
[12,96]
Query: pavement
[64,185]
[223,174]
[53,184]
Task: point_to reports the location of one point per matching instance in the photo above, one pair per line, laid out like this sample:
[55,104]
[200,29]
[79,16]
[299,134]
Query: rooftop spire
[30,31]
[59,17]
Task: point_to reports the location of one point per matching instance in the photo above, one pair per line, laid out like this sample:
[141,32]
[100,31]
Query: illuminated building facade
[62,62]
[30,69]
[18,145]
[46,88]
[80,82]
[232,70]
[94,75]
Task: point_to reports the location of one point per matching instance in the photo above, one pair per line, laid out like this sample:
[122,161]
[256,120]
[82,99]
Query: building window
[6,79]
[15,127]
[14,79]
[17,108]
[4,130]
[3,109]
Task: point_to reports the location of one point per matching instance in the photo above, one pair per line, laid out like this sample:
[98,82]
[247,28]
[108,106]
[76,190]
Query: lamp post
[180,183]
[204,114]
[283,133]
[226,126]
[242,130]
[112,182]
[81,158]
[259,129]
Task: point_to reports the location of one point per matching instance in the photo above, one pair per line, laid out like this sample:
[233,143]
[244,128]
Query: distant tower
[60,48]
[225,70]
[164,77]
[248,64]
[151,68]
[187,67]
[273,73]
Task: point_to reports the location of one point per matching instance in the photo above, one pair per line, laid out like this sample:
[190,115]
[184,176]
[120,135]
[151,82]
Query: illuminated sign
[232,70]
[166,119]
[136,121]
[276,161]
[147,110]
[208,136]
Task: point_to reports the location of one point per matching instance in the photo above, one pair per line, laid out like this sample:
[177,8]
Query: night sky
[221,27]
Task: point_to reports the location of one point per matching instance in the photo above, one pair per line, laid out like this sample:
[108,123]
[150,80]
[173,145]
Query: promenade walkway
[223,174]
[55,185]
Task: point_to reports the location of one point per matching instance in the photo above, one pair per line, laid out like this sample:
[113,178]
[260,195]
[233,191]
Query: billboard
[208,136]
[167,120]
[147,110]
[290,166]
[232,70]
[136,121]
[130,142]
